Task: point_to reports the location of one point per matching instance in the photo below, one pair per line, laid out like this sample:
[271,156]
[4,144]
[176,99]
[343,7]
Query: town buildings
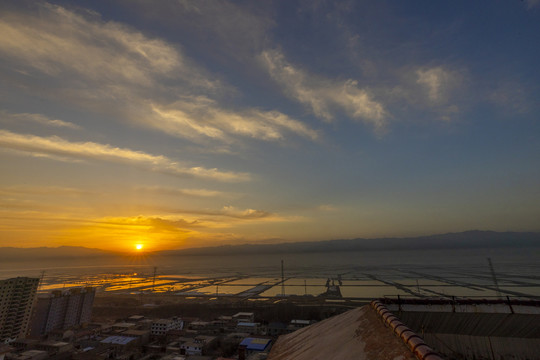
[16,299]
[162,326]
[61,310]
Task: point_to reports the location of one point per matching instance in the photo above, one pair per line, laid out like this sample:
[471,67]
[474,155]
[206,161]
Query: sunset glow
[161,125]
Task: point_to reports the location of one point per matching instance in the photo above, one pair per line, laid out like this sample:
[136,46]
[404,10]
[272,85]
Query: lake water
[369,274]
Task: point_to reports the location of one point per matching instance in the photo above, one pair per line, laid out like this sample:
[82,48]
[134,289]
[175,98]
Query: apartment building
[17,296]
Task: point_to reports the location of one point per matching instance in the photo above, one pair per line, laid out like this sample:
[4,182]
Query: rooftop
[247,324]
[256,344]
[118,340]
[357,334]
[243,314]
[468,328]
[124,324]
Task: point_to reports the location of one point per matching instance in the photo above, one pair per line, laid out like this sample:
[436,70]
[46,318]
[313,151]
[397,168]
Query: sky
[178,124]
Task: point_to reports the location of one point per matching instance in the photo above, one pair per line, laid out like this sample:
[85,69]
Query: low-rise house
[200,325]
[248,327]
[299,324]
[32,350]
[145,324]
[121,341]
[173,335]
[196,346]
[191,348]
[94,353]
[253,345]
[142,335]
[55,347]
[208,342]
[237,336]
[162,326]
[99,328]
[121,347]
[225,318]
[244,317]
[123,326]
[225,322]
[175,346]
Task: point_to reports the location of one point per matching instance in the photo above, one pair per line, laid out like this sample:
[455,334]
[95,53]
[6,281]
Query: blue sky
[194,123]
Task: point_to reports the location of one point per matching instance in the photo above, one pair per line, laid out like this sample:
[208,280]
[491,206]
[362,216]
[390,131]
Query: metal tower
[282,280]
[494,277]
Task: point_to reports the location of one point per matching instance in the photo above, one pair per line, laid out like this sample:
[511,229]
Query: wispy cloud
[61,42]
[225,216]
[200,116]
[227,211]
[36,118]
[152,223]
[203,193]
[440,84]
[325,97]
[57,146]
[133,222]
[112,68]
[231,211]
[437,81]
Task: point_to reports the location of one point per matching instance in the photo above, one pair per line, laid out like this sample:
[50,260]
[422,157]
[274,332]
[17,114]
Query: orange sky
[228,122]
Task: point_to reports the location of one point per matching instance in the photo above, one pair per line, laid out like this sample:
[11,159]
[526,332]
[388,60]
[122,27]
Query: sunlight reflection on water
[363,274]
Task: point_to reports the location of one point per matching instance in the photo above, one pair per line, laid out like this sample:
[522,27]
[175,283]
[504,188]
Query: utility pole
[154,279]
[494,277]
[41,279]
[282,280]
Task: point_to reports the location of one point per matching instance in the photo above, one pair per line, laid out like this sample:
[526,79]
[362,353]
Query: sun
[138,246]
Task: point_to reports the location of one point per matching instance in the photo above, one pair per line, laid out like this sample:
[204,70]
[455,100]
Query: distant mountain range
[462,240]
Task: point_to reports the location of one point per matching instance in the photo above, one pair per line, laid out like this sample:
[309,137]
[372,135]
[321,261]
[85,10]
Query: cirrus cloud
[59,147]
[196,117]
[57,41]
[36,118]
[323,96]
[111,68]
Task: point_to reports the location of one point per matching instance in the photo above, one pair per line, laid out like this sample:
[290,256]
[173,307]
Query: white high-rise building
[61,310]
[16,299]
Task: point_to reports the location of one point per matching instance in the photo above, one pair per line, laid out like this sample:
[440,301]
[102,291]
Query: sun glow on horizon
[138,246]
